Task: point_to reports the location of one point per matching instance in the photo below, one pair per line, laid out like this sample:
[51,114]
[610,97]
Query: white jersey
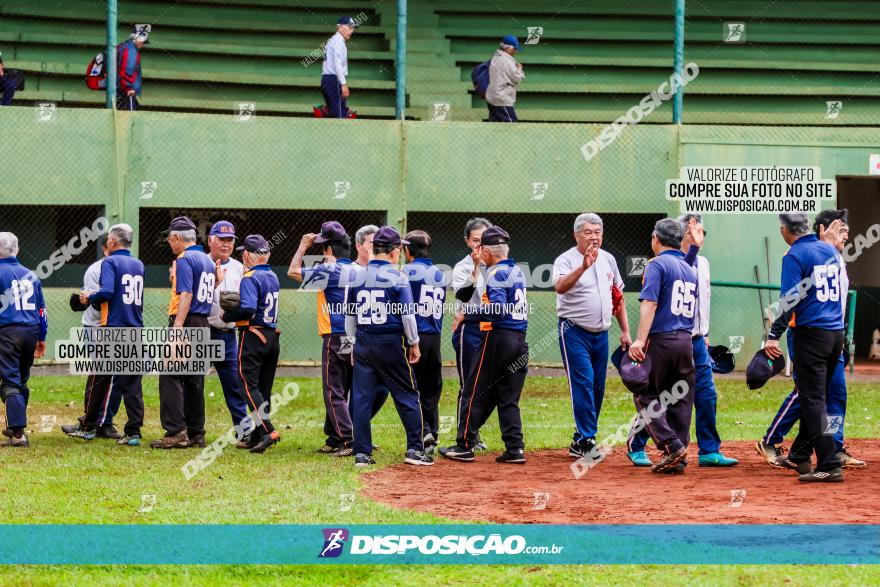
[461,277]
[231,281]
[704,293]
[92,283]
[336,58]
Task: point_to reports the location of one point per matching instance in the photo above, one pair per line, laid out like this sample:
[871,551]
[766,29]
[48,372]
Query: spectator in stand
[504,75]
[334,86]
[128,64]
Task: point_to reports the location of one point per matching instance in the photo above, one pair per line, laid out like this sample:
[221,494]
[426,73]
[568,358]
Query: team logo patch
[334,540]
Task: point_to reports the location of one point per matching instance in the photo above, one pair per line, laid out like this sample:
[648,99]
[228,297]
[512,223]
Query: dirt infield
[615,492]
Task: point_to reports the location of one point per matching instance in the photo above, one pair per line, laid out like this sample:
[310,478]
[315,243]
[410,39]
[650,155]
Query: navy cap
[347,20]
[331,232]
[254,243]
[511,40]
[722,359]
[388,236]
[761,368]
[223,229]
[495,236]
[633,374]
[180,223]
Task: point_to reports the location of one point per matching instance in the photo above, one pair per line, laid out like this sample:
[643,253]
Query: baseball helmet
[722,359]
[761,368]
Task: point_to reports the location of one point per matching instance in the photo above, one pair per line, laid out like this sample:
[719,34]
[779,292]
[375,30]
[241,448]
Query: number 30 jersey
[671,283]
[121,295]
[259,293]
[194,272]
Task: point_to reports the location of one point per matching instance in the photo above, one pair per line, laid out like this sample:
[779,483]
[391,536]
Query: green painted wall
[213,161]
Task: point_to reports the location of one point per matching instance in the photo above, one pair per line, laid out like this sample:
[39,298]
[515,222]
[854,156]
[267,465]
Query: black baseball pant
[100,388]
[258,351]
[182,397]
[336,380]
[429,376]
[816,353]
[495,381]
[672,360]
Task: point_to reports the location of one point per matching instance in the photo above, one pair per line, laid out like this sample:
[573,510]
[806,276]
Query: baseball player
[23,327]
[468,285]
[182,397]
[497,378]
[330,279]
[91,318]
[363,242]
[258,350]
[428,286]
[666,322]
[770,447]
[221,241]
[380,314]
[588,293]
[705,395]
[334,85]
[120,300]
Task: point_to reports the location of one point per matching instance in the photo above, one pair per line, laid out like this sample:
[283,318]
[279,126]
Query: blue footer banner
[440,544]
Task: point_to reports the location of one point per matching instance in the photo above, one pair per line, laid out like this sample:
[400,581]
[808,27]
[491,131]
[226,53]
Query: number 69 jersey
[672,284]
[258,292]
[121,294]
[194,273]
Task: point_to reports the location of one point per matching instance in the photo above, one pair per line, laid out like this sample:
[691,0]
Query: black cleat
[362,460]
[582,450]
[107,432]
[770,452]
[457,453]
[416,457]
[802,468]
[670,461]
[833,476]
[265,442]
[197,441]
[512,457]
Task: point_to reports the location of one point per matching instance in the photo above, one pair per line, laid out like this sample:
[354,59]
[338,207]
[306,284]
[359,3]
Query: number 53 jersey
[672,284]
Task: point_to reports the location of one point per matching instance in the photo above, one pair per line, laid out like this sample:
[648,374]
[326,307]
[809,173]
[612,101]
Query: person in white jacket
[334,84]
[504,75]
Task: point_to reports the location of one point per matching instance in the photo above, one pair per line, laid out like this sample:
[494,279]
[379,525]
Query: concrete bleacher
[594,61]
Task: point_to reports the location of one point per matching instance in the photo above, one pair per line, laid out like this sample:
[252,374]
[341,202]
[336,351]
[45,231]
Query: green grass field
[71,481]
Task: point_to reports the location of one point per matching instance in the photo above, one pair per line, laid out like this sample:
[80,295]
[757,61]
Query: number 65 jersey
[121,295]
[672,284]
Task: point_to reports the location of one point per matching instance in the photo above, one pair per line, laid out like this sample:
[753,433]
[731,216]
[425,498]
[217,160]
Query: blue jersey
[672,284]
[121,295]
[428,285]
[258,292]
[811,272]
[331,281]
[194,273]
[22,297]
[504,302]
[378,297]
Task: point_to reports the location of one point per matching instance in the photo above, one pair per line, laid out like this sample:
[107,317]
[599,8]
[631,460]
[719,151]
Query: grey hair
[8,245]
[685,219]
[499,250]
[587,218]
[505,46]
[363,232]
[123,233]
[475,223]
[669,232]
[796,224]
[187,236]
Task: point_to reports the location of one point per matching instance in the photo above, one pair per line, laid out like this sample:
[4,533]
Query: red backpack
[96,73]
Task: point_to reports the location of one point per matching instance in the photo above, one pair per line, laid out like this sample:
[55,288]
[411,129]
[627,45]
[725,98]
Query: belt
[223,330]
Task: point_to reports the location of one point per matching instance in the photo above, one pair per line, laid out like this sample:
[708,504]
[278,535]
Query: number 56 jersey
[672,284]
